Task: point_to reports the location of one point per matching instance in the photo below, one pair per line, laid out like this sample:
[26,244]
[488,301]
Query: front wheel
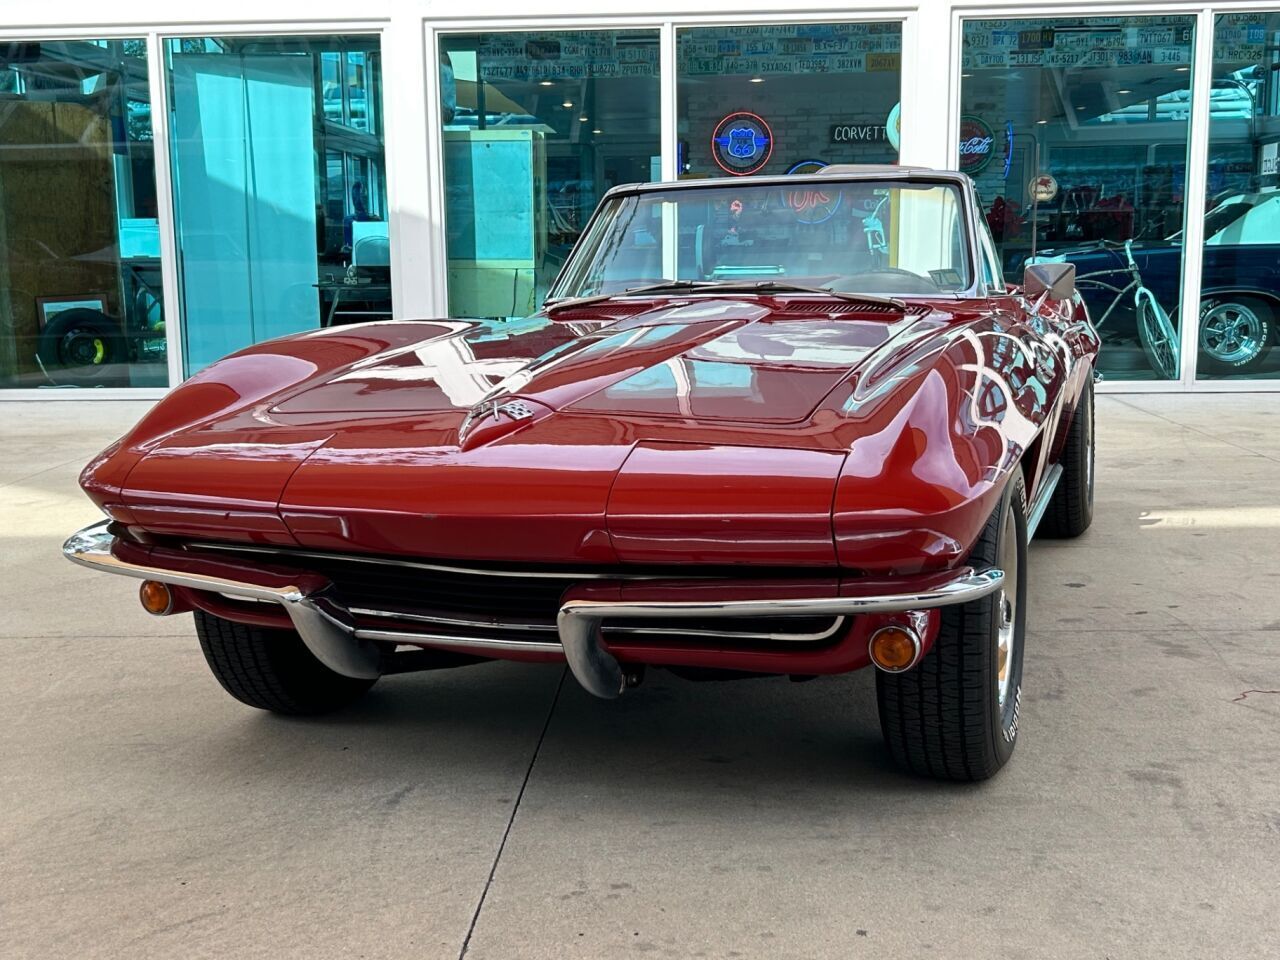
[1156,334]
[1236,333]
[272,669]
[955,715]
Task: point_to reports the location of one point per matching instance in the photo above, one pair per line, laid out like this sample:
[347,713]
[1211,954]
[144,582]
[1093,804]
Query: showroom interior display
[209,181]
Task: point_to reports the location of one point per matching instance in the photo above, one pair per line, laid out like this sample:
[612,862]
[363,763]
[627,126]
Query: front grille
[398,588]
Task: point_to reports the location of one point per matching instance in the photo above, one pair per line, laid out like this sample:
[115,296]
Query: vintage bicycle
[1156,332]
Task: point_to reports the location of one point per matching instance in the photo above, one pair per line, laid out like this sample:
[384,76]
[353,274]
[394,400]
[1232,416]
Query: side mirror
[1057,280]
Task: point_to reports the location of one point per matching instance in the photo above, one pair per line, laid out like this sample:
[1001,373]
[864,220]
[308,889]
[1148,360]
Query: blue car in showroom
[1132,287]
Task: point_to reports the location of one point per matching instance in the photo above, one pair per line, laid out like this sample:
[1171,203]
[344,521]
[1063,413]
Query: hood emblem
[514,409]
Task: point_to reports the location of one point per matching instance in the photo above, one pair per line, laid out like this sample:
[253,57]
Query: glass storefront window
[787,98]
[1075,130]
[279,187]
[1240,273]
[80,290]
[537,126]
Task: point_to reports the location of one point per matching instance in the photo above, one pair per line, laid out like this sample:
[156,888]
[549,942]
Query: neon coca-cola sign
[976,144]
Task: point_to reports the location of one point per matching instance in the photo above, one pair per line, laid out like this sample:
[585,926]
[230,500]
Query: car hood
[710,359]
[680,431]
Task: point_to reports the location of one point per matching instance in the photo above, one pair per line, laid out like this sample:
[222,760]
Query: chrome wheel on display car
[1235,334]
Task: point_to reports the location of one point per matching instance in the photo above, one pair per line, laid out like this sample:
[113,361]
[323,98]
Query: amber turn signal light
[156,597]
[894,648]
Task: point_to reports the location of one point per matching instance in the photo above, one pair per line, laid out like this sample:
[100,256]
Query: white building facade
[177,185]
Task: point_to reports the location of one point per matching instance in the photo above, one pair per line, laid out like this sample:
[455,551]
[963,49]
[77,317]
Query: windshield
[875,237]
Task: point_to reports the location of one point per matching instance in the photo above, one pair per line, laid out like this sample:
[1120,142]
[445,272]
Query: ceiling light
[568,104]
[1081,107]
[1042,121]
[597,130]
[544,83]
[583,119]
[757,79]
[1181,69]
[966,76]
[1124,91]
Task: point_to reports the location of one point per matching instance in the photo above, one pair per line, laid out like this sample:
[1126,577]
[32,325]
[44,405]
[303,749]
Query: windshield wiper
[783,286]
[730,286]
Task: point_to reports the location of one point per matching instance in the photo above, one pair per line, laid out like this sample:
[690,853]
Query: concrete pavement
[501,811]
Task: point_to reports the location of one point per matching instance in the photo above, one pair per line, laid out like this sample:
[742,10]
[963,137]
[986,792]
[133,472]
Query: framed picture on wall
[49,307]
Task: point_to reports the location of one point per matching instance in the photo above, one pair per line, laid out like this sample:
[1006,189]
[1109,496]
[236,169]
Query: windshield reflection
[888,238]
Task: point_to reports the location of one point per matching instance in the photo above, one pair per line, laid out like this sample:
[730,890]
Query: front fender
[931,456]
[239,382]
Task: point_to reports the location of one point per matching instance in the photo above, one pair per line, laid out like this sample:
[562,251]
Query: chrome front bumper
[330,632]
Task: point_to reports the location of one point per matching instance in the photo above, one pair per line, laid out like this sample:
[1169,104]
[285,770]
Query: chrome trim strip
[453,622]
[968,585]
[437,567]
[826,634]
[91,547]
[477,643]
[599,672]
[1047,486]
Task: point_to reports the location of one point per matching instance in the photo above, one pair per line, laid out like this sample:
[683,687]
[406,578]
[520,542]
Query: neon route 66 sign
[741,143]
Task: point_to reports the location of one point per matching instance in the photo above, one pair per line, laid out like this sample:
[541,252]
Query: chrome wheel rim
[1231,333]
[1006,609]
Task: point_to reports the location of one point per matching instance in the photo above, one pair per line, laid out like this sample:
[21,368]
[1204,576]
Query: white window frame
[1201,75]
[155,36]
[409,34]
[434,301]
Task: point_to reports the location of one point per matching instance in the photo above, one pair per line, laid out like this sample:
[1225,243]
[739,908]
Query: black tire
[81,347]
[272,669]
[944,718]
[1070,509]
[1245,350]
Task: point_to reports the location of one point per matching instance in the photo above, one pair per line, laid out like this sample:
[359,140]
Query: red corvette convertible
[791,425]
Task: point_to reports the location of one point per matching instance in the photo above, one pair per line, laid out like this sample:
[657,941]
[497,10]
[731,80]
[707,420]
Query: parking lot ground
[500,812]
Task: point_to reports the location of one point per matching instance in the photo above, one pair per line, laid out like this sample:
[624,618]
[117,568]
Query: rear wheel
[272,669]
[955,715]
[1070,509]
